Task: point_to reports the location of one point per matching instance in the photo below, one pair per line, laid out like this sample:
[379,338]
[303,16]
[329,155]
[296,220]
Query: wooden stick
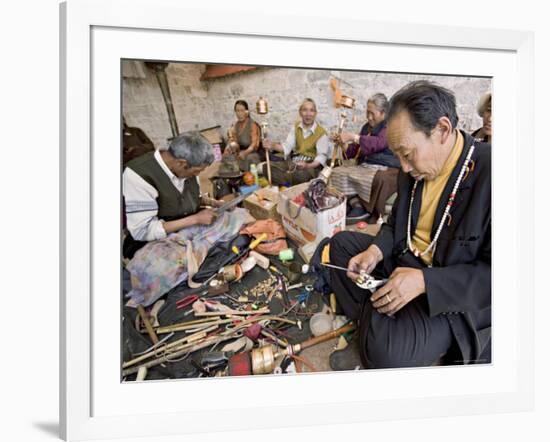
[325,337]
[185,326]
[268,151]
[177,354]
[234,312]
[148,326]
[268,164]
[274,338]
[142,374]
[228,334]
[169,346]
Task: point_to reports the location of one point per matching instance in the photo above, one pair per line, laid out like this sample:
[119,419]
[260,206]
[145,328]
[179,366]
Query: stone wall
[202,104]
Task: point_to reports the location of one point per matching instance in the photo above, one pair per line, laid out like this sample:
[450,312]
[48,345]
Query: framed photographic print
[133,84]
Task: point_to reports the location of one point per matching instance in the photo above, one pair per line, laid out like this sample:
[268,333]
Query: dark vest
[171,203]
[244,138]
[385,157]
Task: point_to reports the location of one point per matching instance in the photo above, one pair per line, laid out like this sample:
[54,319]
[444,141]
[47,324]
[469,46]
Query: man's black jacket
[459,282]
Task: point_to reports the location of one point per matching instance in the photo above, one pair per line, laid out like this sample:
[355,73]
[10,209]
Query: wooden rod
[148,326]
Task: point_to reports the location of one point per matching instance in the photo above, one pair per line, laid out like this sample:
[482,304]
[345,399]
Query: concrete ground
[318,355]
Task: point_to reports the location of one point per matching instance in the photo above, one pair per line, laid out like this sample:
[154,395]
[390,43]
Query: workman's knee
[380,354]
[339,247]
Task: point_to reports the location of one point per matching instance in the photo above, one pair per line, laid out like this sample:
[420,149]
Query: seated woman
[169,234]
[374,178]
[307,145]
[484,133]
[244,138]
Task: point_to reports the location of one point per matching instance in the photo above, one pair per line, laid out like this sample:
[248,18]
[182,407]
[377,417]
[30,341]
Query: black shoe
[348,358]
[356,214]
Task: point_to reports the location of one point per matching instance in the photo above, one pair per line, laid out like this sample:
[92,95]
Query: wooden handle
[327,336]
[257,241]
[147,324]
[268,164]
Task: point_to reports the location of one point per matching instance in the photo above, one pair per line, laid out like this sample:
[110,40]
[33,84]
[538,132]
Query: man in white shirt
[161,191]
[308,144]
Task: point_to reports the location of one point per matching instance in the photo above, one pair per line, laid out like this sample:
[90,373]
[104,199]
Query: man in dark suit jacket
[435,247]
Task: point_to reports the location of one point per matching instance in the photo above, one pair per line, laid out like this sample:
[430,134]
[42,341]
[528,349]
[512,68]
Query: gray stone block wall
[201,104]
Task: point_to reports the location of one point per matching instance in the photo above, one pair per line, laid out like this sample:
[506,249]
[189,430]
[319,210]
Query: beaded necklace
[450,202]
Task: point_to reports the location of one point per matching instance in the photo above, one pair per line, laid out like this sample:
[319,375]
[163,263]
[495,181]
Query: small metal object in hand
[368,282]
[364,281]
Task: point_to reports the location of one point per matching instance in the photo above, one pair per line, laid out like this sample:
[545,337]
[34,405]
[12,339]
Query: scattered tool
[152,315]
[295,286]
[212,277]
[253,244]
[186,301]
[232,203]
[282,288]
[148,327]
[262,360]
[262,261]
[190,344]
[304,295]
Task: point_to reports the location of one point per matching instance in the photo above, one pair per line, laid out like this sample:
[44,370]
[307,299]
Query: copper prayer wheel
[347,102]
[261,106]
[263,360]
[232,273]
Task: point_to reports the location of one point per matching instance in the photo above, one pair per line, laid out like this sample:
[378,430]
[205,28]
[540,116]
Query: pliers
[186,301]
[369,282]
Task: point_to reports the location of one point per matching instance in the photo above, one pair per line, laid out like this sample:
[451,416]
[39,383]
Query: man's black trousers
[411,338]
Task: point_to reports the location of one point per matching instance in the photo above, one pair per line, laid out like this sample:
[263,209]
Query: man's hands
[366,261]
[205,216]
[272,145]
[348,137]
[404,285]
[302,165]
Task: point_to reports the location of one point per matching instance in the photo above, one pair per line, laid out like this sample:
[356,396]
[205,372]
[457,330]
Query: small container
[232,273]
[254,171]
[248,264]
[320,323]
[286,255]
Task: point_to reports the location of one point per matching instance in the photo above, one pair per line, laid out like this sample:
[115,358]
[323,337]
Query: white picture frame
[94,34]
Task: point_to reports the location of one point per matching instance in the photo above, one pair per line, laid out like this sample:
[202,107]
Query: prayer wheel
[261,106]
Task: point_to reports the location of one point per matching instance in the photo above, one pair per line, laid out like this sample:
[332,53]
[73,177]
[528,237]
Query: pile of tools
[227,329]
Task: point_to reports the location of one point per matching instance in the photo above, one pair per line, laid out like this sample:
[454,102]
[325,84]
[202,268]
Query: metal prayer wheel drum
[261,106]
[263,360]
[347,102]
[232,273]
[234,147]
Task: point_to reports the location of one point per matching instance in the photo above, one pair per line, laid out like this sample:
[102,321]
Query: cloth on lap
[161,265]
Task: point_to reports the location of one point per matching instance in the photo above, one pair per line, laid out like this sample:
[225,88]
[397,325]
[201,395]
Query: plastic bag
[276,236]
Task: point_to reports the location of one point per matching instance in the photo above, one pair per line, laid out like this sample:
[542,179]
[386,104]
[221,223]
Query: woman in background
[244,138]
[369,184]
[484,133]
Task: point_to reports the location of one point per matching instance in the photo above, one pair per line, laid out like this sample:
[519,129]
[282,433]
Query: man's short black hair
[426,103]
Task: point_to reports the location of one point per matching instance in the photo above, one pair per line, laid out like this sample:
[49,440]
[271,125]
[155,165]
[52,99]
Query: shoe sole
[356,219]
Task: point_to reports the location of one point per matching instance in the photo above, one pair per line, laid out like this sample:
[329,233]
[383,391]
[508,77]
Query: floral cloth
[161,265]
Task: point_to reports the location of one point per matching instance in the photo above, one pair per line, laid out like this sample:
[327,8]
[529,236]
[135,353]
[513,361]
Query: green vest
[307,146]
[171,203]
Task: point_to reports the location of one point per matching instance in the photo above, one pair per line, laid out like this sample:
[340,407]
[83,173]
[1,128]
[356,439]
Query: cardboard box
[212,134]
[264,208]
[302,225]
